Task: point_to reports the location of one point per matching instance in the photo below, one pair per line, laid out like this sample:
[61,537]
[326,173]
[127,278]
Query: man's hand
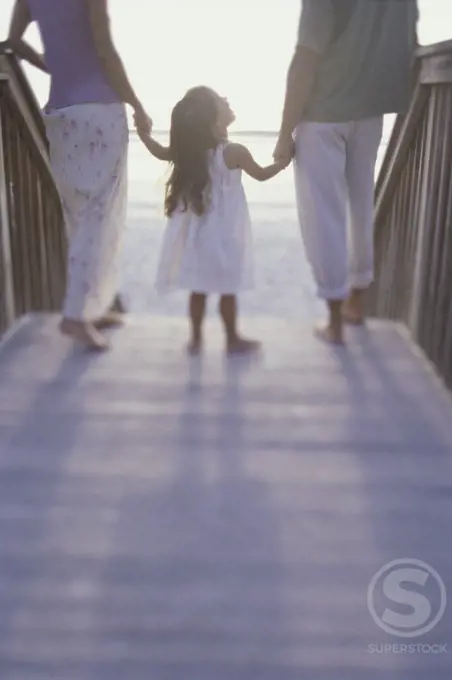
[284,149]
[283,163]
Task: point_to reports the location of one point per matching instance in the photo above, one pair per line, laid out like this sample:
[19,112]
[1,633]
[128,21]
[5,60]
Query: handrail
[413,214]
[33,240]
[26,99]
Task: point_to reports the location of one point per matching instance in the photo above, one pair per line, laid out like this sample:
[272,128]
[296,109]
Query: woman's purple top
[70,54]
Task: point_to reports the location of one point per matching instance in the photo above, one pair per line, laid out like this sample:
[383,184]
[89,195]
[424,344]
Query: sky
[240,47]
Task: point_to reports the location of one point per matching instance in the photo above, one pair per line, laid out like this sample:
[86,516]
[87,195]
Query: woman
[87,130]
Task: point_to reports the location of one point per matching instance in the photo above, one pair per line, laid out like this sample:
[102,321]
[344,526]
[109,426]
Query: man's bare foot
[110,320]
[353,308]
[353,320]
[330,334]
[242,346]
[352,316]
[85,334]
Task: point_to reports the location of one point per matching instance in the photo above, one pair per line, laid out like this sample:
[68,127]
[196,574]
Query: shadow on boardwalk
[215,519]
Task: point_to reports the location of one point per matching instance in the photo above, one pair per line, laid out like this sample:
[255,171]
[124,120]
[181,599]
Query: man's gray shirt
[366,53]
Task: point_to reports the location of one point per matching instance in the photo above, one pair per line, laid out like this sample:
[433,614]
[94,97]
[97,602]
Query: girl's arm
[20,20]
[156,149]
[237,156]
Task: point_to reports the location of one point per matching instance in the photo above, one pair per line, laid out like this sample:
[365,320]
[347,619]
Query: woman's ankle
[67,322]
[84,333]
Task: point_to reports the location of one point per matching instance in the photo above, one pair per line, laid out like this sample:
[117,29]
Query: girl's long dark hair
[192,136]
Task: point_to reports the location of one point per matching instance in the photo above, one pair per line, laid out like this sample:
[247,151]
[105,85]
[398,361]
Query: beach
[284,286]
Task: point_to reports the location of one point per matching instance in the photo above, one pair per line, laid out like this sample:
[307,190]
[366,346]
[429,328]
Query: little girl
[207,244]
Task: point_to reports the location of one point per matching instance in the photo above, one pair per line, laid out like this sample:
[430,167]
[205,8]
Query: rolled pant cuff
[361,281]
[333,293]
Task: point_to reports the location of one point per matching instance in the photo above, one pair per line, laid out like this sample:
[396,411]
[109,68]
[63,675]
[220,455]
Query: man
[353,64]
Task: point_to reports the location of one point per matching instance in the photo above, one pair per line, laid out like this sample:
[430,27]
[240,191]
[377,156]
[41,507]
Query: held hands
[282,163]
[143,123]
[284,151]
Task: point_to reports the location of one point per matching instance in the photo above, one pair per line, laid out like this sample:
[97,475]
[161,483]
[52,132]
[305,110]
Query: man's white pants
[334,179]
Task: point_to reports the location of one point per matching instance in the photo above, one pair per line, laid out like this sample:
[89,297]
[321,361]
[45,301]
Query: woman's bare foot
[242,346]
[110,320]
[85,334]
[330,334]
[118,305]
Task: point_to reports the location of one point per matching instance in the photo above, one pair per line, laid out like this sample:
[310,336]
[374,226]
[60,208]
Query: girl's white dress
[211,253]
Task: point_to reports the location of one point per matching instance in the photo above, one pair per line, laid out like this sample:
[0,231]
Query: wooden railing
[32,236]
[413,236]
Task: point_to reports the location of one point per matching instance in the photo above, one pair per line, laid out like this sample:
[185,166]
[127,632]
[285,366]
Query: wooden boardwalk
[167,519]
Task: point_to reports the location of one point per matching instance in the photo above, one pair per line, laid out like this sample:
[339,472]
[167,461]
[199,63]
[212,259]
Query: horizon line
[261,132]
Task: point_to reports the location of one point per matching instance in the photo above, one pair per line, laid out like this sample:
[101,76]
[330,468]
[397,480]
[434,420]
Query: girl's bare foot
[197,307]
[242,346]
[329,334]
[110,320]
[194,348]
[85,334]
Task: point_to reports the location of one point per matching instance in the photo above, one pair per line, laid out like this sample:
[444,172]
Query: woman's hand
[24,51]
[143,123]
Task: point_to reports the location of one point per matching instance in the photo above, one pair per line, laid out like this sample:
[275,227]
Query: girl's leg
[235,343]
[197,312]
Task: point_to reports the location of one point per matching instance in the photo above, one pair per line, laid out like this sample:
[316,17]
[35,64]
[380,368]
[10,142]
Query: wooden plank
[162,518]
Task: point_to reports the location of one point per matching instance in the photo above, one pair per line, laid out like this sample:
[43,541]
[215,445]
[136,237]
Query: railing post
[32,241]
[414,318]
[7,286]
[413,214]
